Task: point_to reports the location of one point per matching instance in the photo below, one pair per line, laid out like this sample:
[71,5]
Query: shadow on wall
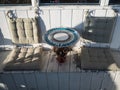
[42,27]
[4,41]
[1,38]
[79,28]
[41,24]
[100,69]
[97,29]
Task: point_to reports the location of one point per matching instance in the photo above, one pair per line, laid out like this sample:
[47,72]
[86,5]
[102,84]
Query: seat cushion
[24,59]
[97,59]
[25,30]
[98,29]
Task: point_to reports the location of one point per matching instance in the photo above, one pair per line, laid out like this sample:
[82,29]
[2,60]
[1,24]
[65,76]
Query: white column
[107,2]
[104,2]
[35,3]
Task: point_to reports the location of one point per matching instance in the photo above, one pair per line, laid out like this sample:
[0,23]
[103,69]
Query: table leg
[61,53]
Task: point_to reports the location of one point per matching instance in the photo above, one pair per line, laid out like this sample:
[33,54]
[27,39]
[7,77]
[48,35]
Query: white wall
[58,16]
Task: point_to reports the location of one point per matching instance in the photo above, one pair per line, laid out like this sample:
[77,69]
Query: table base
[61,53]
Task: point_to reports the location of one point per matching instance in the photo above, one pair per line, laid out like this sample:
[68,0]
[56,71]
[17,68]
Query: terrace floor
[69,75]
[84,58]
[101,59]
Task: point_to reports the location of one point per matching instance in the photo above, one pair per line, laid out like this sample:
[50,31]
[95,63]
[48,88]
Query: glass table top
[61,37]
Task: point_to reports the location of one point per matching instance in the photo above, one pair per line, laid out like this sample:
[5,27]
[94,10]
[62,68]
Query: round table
[62,39]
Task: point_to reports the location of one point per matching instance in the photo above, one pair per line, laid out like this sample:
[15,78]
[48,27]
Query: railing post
[35,3]
[104,2]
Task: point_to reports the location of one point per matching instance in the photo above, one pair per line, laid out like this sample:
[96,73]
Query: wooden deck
[50,64]
[72,63]
[66,76]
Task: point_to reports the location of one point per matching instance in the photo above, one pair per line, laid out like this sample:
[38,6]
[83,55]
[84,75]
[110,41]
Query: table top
[61,37]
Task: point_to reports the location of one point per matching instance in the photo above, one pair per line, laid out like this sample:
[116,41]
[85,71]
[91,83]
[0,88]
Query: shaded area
[62,76]
[69,1]
[42,27]
[23,59]
[79,1]
[98,29]
[3,40]
[15,1]
[114,2]
[91,58]
[3,56]
[41,24]
[25,31]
